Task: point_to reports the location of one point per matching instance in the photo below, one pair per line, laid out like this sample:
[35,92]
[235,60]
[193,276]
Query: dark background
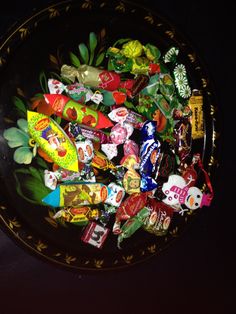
[197,273]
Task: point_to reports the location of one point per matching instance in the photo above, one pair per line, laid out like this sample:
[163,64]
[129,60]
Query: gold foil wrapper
[79,215]
[85,74]
[100,161]
[195,104]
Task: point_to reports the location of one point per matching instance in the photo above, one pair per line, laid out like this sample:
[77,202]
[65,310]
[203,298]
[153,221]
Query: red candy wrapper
[159,219]
[183,139]
[139,84]
[95,234]
[70,110]
[129,208]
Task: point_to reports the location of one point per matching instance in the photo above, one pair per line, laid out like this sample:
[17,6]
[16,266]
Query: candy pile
[133,167]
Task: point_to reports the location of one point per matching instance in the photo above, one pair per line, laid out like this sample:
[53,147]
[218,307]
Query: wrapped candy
[78,215]
[69,109]
[183,138]
[195,103]
[152,87]
[95,234]
[116,196]
[149,154]
[84,146]
[181,81]
[129,208]
[119,114]
[166,163]
[116,97]
[133,57]
[90,133]
[139,84]
[132,225]
[122,114]
[52,140]
[131,181]
[92,76]
[167,86]
[188,171]
[85,150]
[52,178]
[95,135]
[131,154]
[159,218]
[76,91]
[119,134]
[180,192]
[79,194]
[165,107]
[118,174]
[100,161]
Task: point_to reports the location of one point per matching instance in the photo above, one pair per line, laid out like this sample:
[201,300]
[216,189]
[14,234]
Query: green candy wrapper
[132,225]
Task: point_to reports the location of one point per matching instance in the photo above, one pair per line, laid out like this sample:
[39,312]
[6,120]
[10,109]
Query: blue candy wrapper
[147,184]
[149,151]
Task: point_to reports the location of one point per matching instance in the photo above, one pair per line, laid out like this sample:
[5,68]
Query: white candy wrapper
[85,150]
[110,150]
[116,196]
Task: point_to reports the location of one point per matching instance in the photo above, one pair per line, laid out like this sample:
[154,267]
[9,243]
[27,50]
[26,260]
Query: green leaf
[74,60]
[43,82]
[121,41]
[92,46]
[92,41]
[56,76]
[35,173]
[23,125]
[57,119]
[20,106]
[41,162]
[110,66]
[39,95]
[15,137]
[29,187]
[23,155]
[84,53]
[100,58]
[129,105]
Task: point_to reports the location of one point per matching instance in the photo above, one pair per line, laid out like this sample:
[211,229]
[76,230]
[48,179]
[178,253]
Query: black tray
[36,45]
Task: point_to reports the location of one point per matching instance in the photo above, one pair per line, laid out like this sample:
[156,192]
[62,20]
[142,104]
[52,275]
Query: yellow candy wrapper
[78,194]
[195,104]
[100,161]
[131,181]
[52,140]
[78,215]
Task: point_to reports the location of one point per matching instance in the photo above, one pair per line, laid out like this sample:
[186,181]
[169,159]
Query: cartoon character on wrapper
[54,141]
[178,192]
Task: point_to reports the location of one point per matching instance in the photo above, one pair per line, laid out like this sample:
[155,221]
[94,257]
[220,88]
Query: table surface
[196,273]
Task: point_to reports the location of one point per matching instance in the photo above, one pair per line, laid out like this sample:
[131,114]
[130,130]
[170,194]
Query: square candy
[95,234]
